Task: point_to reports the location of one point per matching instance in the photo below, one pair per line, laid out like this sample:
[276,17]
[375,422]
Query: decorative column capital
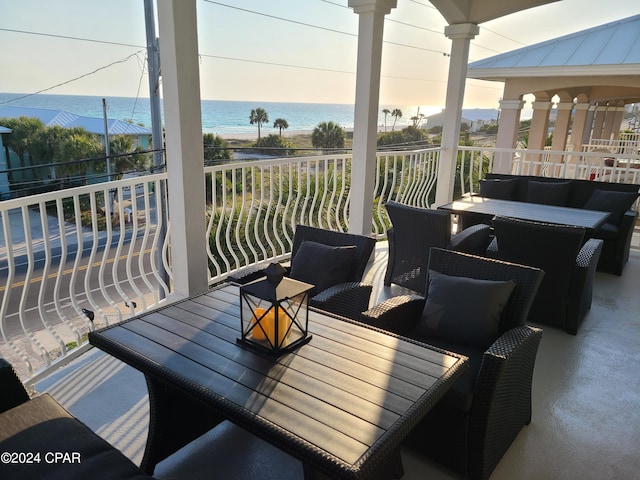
[512,104]
[565,105]
[541,105]
[373,6]
[461,30]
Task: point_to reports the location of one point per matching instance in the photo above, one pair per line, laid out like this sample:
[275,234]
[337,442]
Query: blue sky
[251,56]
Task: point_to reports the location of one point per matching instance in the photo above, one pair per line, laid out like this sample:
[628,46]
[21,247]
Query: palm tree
[386,112]
[280,123]
[396,114]
[258,116]
[328,135]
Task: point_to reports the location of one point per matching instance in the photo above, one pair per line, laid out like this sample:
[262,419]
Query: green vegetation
[258,116]
[50,158]
[328,135]
[215,148]
[280,124]
[274,145]
[408,137]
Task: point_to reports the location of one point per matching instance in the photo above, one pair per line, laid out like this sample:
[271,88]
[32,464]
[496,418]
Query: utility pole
[153,65]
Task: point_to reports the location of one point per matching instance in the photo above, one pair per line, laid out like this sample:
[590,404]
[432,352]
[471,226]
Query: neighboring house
[476,118]
[9,159]
[4,176]
[90,124]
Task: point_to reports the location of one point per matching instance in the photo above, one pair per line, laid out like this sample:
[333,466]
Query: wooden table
[341,403]
[590,219]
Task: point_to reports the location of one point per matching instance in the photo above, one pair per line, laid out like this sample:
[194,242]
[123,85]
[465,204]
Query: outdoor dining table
[536,212]
[341,403]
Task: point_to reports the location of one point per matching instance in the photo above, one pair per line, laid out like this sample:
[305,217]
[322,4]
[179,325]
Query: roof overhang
[502,74]
[479,11]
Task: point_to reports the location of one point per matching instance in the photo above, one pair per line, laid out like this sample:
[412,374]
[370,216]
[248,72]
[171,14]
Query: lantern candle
[264,325]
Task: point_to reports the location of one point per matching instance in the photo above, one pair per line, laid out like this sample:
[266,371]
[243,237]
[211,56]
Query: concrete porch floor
[586,403]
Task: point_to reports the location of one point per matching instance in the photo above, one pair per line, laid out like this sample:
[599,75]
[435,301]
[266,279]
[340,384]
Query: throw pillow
[322,265]
[463,310]
[617,203]
[498,189]
[548,193]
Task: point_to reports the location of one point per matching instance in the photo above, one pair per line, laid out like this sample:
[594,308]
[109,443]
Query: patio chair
[474,424]
[38,428]
[569,264]
[334,262]
[414,230]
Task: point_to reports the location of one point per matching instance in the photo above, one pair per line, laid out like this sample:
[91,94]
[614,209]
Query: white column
[588,131]
[607,128]
[561,128]
[183,136]
[598,122]
[579,126]
[508,127]
[539,125]
[617,121]
[363,167]
[460,36]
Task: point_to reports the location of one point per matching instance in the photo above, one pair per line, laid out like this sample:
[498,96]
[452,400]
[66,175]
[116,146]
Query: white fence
[81,258]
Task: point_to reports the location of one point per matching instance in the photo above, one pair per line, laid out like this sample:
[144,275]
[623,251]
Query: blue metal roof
[613,44]
[69,120]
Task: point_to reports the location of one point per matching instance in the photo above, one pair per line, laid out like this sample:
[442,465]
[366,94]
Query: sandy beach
[263,133]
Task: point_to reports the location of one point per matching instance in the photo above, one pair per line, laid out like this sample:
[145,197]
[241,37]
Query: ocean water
[220,117]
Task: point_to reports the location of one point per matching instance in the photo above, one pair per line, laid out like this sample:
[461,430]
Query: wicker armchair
[569,264]
[349,298]
[474,424]
[413,231]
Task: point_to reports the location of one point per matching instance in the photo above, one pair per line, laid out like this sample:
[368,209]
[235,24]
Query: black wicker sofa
[616,198]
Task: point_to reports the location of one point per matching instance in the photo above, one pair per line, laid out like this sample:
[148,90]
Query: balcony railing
[82,258]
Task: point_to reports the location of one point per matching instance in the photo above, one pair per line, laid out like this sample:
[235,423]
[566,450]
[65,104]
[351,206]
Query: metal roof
[612,48]
[65,119]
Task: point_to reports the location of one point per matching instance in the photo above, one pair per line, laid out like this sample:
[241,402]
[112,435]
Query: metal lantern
[274,313]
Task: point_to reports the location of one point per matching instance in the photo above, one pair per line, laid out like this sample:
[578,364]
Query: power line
[66,37]
[310,25]
[73,79]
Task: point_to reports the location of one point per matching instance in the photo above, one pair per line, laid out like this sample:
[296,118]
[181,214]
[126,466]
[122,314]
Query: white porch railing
[76,259]
[62,262]
[253,207]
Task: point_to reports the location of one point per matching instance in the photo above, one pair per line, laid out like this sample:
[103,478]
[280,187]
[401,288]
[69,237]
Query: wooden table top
[536,212]
[337,403]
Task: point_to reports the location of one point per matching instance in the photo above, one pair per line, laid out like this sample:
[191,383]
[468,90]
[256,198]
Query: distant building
[4,177]
[9,176]
[476,118]
[70,120]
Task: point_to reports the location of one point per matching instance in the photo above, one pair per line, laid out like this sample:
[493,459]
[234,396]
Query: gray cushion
[548,193]
[498,189]
[463,310]
[617,203]
[322,265]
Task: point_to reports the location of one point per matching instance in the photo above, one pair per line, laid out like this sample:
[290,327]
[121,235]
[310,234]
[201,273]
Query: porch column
[588,131]
[539,125]
[183,138]
[460,35]
[561,130]
[609,117]
[579,126]
[508,127]
[538,134]
[371,15]
[598,122]
[616,122]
